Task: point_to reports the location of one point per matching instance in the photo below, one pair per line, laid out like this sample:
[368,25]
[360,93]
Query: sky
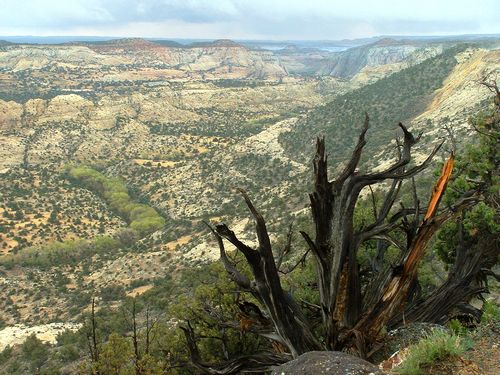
[248,19]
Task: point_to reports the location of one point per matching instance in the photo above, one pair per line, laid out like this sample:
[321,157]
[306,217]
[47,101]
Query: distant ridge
[292,48]
[216,43]
[273,45]
[147,43]
[168,43]
[122,42]
[30,39]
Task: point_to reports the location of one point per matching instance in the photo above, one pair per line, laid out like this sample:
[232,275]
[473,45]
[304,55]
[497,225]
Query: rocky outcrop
[460,95]
[348,63]
[222,57]
[327,363]
[219,59]
[10,114]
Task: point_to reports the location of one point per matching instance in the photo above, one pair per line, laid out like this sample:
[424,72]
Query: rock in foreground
[327,363]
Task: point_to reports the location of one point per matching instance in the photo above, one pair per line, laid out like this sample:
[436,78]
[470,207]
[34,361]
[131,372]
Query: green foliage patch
[141,217]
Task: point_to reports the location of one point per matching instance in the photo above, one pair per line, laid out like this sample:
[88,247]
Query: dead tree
[352,317]
[92,341]
[141,332]
[135,339]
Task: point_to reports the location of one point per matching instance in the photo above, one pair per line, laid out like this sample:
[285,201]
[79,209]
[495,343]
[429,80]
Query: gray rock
[327,363]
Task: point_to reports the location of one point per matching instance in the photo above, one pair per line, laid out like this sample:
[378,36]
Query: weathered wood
[396,286]
[336,244]
[289,322]
[247,364]
[351,320]
[334,247]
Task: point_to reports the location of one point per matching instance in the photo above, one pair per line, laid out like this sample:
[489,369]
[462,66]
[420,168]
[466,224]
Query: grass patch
[437,346]
[491,312]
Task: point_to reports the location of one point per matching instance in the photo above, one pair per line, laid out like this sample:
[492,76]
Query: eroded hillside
[181,127]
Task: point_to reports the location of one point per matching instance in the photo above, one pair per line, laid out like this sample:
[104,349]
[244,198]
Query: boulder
[327,363]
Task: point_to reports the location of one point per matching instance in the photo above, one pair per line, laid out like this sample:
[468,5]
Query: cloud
[49,13]
[289,19]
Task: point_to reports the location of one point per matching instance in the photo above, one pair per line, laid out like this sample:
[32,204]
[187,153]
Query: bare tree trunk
[291,327]
[135,339]
[350,320]
[92,341]
[336,244]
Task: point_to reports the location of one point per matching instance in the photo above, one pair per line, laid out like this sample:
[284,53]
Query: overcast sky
[249,19]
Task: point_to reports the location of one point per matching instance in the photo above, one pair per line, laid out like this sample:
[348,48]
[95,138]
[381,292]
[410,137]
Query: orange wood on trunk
[426,231]
[440,187]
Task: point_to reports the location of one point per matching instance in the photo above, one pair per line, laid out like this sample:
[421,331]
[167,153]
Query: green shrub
[437,346]
[35,351]
[5,355]
[112,293]
[491,312]
[397,97]
[457,328]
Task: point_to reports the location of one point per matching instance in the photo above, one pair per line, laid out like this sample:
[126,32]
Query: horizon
[91,38]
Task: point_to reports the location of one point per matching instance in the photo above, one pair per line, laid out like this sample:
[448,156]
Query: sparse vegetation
[436,347]
[155,148]
[69,252]
[399,97]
